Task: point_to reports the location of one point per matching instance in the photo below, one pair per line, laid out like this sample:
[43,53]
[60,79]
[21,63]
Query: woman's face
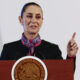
[32,19]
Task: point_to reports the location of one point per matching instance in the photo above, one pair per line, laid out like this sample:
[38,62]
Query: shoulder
[12,44]
[51,50]
[49,44]
[10,50]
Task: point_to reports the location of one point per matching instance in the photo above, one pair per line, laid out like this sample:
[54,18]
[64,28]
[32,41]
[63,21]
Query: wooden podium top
[57,69]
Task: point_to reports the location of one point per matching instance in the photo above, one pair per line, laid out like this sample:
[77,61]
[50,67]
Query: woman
[30,44]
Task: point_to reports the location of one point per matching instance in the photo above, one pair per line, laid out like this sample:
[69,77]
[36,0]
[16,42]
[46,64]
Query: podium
[57,69]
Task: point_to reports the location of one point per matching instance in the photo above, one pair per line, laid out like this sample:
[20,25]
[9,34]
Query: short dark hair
[28,4]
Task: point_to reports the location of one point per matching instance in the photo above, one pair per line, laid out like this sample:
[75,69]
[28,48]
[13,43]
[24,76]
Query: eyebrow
[28,13]
[36,13]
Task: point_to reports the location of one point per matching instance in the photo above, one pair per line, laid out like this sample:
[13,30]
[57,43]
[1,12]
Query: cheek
[25,25]
[40,23]
[27,22]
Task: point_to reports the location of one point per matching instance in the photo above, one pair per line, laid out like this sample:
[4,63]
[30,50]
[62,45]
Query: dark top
[16,50]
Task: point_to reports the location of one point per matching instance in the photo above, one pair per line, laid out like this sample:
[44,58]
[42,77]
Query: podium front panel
[57,69]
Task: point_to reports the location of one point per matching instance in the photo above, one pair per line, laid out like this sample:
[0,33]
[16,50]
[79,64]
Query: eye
[29,16]
[38,17]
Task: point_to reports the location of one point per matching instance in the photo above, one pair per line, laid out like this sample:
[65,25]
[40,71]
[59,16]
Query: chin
[33,33]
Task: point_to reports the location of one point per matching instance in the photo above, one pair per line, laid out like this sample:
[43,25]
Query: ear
[20,20]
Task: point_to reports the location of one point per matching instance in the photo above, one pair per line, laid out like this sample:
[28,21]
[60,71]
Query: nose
[33,19]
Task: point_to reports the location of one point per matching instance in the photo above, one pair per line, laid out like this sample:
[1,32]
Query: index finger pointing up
[73,36]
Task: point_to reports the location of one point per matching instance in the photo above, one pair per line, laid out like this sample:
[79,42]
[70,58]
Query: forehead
[33,9]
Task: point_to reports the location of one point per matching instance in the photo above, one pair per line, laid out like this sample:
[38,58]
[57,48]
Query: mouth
[33,26]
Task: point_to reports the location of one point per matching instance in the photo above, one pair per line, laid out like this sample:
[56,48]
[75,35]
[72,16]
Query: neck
[30,36]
